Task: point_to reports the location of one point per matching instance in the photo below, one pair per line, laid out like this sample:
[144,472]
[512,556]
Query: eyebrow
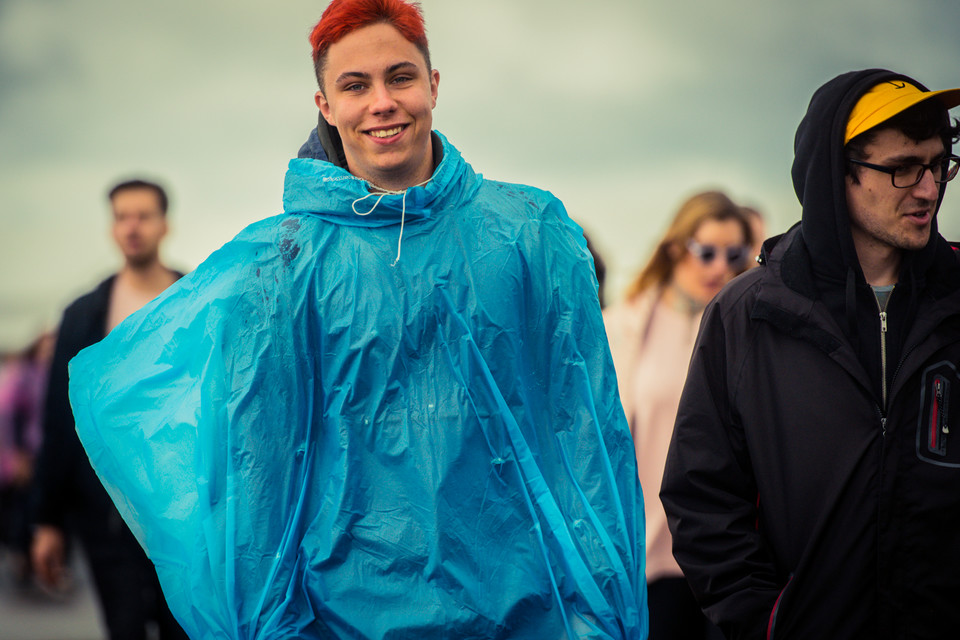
[913,158]
[360,75]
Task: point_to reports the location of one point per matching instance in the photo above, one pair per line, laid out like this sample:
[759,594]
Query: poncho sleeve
[157,404]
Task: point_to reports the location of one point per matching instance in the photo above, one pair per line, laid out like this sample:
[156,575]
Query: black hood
[820,262]
[818,179]
[324,143]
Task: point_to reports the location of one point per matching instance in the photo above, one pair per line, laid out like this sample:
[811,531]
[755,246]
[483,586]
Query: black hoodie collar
[818,260]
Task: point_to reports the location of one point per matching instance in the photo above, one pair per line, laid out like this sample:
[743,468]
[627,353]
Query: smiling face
[380,95]
[885,220]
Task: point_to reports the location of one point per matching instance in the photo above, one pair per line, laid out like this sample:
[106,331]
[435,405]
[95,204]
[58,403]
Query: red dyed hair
[343,17]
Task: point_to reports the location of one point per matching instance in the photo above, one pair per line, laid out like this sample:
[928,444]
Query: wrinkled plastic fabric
[313,442]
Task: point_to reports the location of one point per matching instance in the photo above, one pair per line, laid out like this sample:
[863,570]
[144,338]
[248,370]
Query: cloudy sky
[622,108]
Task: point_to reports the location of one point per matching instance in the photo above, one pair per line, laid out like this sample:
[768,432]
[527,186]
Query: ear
[434,84]
[675,252]
[324,107]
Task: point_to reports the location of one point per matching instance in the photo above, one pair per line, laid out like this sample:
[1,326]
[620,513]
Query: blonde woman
[651,335]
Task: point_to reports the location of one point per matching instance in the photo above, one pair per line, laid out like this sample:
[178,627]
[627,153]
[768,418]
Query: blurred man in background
[70,497]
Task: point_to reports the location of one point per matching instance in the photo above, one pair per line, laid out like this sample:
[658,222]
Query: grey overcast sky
[622,108]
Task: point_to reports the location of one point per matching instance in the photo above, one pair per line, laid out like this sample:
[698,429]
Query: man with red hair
[377,90]
[388,412]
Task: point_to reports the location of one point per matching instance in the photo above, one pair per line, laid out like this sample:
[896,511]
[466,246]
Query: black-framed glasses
[905,176]
[735,257]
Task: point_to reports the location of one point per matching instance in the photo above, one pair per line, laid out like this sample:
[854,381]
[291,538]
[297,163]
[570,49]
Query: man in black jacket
[69,495]
[812,484]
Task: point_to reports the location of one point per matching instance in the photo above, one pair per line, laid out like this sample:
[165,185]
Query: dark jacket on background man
[66,486]
[803,503]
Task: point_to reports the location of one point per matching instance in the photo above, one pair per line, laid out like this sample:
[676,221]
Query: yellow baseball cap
[889,98]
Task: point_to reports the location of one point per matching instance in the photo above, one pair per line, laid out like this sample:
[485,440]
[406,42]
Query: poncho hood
[317,186]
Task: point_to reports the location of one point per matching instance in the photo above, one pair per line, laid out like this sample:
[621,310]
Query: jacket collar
[788,299]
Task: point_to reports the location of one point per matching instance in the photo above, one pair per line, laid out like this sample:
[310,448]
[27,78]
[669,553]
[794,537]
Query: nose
[383,100]
[927,188]
[720,266]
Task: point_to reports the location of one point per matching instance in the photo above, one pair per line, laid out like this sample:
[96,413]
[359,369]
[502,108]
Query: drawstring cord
[403,212]
[381,192]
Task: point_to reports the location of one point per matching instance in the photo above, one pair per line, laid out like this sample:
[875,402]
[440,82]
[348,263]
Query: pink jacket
[651,345]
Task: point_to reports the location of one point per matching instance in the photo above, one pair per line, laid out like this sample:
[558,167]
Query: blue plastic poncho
[311,441]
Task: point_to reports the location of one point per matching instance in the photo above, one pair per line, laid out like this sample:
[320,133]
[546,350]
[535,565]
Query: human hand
[47,553]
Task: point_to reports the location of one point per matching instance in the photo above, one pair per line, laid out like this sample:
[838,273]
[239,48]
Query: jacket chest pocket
[938,439]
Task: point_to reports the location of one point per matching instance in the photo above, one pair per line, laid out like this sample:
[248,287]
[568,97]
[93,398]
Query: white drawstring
[403,211]
[381,192]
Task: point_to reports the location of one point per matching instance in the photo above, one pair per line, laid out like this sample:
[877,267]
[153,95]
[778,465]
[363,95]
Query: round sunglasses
[735,257]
